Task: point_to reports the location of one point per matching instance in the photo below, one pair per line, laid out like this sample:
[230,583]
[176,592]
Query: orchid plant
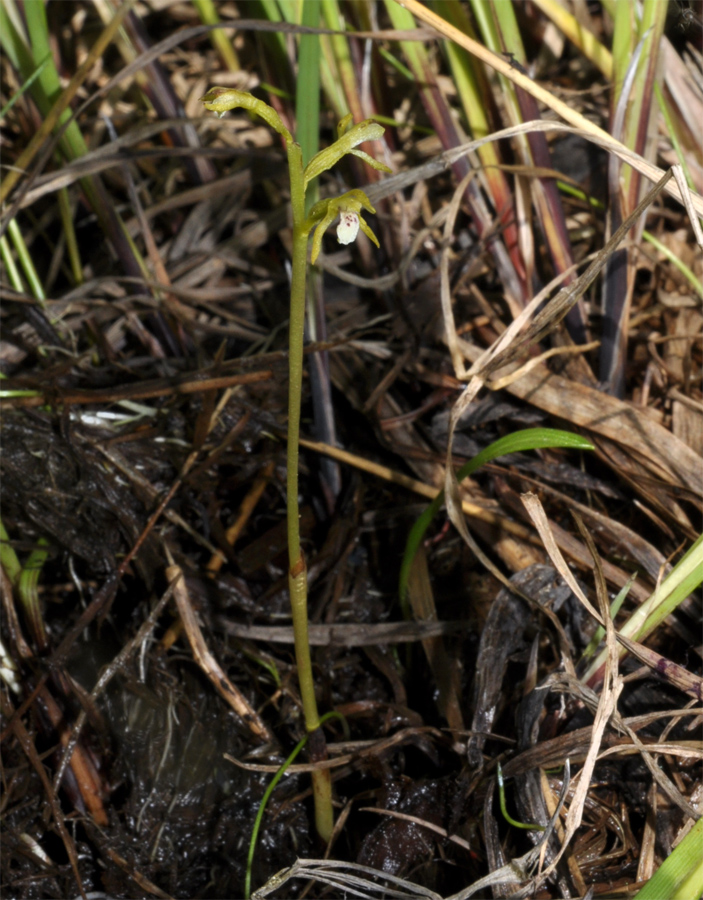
[348,209]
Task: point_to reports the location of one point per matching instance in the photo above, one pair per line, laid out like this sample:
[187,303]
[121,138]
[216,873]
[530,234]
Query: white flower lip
[348,227]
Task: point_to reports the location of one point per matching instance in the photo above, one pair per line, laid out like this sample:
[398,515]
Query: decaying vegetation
[515,679]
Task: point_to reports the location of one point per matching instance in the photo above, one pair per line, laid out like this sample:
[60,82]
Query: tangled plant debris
[531,656]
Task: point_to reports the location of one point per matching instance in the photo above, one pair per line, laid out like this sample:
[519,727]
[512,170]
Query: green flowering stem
[297,575]
[348,207]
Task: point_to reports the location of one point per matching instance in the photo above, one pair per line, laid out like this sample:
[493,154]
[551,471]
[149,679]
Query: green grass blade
[28,83]
[69,231]
[27,591]
[614,610]
[53,103]
[8,557]
[442,119]
[25,259]
[472,87]
[15,46]
[504,809]
[687,273]
[342,63]
[262,809]
[11,270]
[397,65]
[529,439]
[502,34]
[270,789]
[680,876]
[684,579]
[49,85]
[586,41]
[220,39]
[307,93]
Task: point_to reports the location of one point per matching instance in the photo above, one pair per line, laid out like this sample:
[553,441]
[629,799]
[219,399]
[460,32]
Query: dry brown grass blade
[67,95]
[666,669]
[541,523]
[423,823]
[646,861]
[451,335]
[508,346]
[349,879]
[346,634]
[612,682]
[574,745]
[618,420]
[142,881]
[81,763]
[443,666]
[360,749]
[667,786]
[27,744]
[247,508]
[413,484]
[442,120]
[612,533]
[511,343]
[207,661]
[569,544]
[160,387]
[539,93]
[123,148]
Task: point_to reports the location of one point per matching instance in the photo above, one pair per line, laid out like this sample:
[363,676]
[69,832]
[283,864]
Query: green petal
[374,163]
[317,211]
[319,231]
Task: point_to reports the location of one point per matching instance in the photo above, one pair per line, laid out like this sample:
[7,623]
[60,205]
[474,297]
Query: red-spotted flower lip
[348,227]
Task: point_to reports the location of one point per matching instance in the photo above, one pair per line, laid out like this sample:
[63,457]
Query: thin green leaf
[307,94]
[27,591]
[270,789]
[685,578]
[8,557]
[504,809]
[262,809]
[614,610]
[28,83]
[529,439]
[221,40]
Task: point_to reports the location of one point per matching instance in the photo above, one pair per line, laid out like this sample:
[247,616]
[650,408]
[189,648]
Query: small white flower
[348,207]
[348,227]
